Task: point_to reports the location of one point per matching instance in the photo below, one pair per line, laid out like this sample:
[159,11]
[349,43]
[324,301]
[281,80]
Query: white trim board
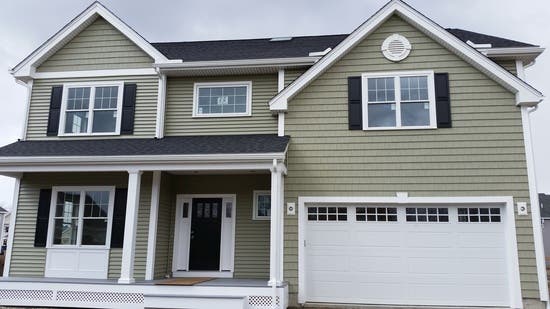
[28,66]
[525,94]
[404,199]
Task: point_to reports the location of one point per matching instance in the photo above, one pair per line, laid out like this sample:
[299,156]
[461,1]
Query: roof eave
[230,64]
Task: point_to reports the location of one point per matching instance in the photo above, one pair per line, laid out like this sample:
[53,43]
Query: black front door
[206,225]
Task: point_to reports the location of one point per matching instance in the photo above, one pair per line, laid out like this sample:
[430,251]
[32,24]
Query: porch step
[178,301]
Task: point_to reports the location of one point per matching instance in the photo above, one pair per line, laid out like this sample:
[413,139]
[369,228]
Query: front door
[204,248]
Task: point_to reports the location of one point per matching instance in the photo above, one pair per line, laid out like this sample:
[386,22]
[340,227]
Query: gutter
[230,64]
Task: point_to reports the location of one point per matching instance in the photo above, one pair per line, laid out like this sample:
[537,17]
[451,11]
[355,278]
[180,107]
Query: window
[479,215]
[262,205]
[376,214]
[399,100]
[93,108]
[222,99]
[421,214]
[327,214]
[81,216]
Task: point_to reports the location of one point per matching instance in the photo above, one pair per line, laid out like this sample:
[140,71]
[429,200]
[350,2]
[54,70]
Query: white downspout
[533,195]
[281,114]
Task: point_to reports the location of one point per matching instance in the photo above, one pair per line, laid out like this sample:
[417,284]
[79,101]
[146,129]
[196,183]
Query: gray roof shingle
[173,145]
[299,46]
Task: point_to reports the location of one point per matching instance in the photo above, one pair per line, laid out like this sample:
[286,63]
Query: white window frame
[256,194]
[197,86]
[81,189]
[397,84]
[93,86]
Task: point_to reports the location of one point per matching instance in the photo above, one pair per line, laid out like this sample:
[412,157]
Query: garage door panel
[407,263]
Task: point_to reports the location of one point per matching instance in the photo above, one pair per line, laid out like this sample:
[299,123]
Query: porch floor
[221,282]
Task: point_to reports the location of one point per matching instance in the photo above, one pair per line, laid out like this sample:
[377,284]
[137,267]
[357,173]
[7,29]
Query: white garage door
[406,255]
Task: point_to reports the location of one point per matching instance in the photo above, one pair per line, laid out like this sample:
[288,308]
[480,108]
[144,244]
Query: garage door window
[420,214]
[327,214]
[376,214]
[479,215]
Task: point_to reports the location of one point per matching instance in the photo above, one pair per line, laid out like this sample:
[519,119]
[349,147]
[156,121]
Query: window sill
[222,116]
[89,135]
[399,128]
[63,247]
[261,218]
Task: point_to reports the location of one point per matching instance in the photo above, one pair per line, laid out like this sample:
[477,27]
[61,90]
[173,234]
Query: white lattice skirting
[67,297]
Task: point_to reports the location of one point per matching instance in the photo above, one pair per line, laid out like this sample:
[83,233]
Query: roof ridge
[254,39]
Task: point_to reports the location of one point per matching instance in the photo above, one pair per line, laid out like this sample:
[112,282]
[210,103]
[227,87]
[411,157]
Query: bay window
[91,109]
[398,100]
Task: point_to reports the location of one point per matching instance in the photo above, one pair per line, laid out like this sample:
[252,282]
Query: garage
[411,254]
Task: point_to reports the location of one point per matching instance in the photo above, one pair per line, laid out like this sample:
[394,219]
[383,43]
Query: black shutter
[119,214]
[55,110]
[355,111]
[42,218]
[128,109]
[442,100]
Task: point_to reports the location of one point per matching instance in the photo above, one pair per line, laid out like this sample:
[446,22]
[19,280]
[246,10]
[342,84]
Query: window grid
[376,214]
[423,214]
[479,215]
[80,218]
[408,104]
[91,110]
[327,213]
[222,99]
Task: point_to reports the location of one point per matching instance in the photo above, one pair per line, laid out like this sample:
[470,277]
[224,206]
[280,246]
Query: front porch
[117,224]
[84,293]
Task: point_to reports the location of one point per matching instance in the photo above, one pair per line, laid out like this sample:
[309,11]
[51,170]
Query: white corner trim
[280,80]
[94,73]
[197,86]
[75,26]
[28,85]
[535,208]
[11,231]
[281,123]
[161,106]
[525,94]
[153,222]
[507,201]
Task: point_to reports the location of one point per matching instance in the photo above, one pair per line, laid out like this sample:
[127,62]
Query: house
[389,166]
[544,200]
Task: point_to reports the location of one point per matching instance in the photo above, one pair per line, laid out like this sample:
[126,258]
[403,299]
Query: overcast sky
[25,24]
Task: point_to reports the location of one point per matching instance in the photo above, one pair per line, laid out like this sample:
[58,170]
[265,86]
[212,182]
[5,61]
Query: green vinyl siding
[28,261]
[482,155]
[179,108]
[165,228]
[509,65]
[100,46]
[251,236]
[145,110]
[292,74]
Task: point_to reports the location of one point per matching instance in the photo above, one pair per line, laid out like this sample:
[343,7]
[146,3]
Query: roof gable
[27,67]
[101,42]
[525,94]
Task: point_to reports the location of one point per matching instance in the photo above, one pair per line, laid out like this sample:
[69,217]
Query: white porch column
[11,231]
[130,227]
[275,236]
[153,219]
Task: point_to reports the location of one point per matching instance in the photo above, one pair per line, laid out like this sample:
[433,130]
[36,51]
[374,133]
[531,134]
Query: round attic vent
[396,47]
